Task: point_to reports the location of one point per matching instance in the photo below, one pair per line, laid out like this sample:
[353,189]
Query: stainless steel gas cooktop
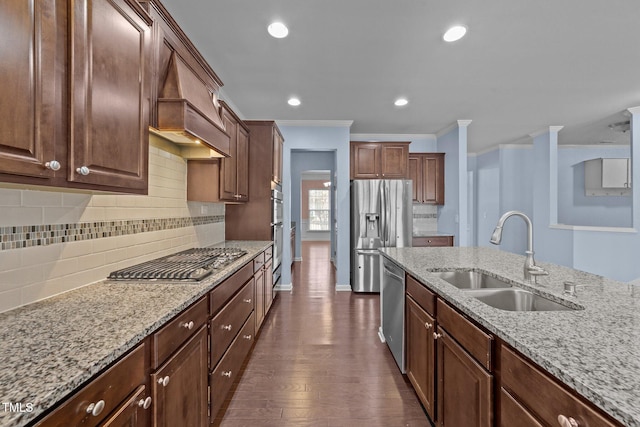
[191,265]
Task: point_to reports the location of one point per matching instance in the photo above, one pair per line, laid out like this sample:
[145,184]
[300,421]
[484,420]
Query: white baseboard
[284,287]
[381,335]
[298,258]
[343,288]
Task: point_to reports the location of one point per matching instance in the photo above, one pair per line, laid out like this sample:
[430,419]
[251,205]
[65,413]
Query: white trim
[598,145]
[297,259]
[284,287]
[593,228]
[548,129]
[343,288]
[381,335]
[464,123]
[376,137]
[315,123]
[634,110]
[446,130]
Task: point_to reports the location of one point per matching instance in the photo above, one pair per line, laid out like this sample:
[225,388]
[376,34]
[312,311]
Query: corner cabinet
[426,170]
[379,160]
[80,122]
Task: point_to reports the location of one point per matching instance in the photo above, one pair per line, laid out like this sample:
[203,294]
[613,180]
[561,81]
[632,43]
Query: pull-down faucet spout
[531,270]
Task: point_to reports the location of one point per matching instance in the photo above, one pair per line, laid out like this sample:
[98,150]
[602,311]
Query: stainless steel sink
[516,299]
[471,280]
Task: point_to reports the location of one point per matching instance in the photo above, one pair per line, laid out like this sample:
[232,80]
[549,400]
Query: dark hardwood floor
[318,360]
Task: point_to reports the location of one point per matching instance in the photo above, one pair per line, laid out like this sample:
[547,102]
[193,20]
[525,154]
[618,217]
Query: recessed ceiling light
[294,102]
[401,102]
[454,33]
[278,30]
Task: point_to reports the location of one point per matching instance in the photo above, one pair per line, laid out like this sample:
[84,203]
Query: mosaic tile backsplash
[24,236]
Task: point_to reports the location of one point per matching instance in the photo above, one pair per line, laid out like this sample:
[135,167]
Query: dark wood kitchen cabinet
[421,354]
[78,113]
[234,170]
[252,220]
[119,394]
[431,241]
[426,170]
[180,364]
[379,160]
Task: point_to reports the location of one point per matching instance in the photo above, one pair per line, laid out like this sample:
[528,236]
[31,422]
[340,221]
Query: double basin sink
[498,293]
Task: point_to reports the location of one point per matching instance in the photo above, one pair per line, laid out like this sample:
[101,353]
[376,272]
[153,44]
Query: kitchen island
[593,349]
[52,347]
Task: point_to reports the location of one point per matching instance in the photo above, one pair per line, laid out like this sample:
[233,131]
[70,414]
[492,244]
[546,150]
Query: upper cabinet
[607,177]
[234,170]
[426,170]
[77,109]
[278,146]
[379,160]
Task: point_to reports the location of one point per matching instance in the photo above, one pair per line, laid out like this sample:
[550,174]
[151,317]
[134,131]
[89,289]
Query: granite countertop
[595,350]
[432,234]
[51,347]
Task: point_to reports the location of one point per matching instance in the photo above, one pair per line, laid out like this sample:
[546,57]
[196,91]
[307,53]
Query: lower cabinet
[180,385]
[118,395]
[431,241]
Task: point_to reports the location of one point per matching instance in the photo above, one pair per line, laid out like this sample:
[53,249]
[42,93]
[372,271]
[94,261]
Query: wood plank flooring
[318,360]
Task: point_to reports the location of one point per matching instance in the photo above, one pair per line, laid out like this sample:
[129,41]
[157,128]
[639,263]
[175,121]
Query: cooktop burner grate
[190,265]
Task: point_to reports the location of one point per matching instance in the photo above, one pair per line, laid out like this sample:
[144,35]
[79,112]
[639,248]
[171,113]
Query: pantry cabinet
[379,160]
[78,113]
[426,170]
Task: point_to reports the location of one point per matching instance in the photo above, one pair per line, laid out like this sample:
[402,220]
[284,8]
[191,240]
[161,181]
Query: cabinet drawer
[423,296]
[472,338]
[173,334]
[432,241]
[226,373]
[225,290]
[258,262]
[543,395]
[109,390]
[512,413]
[268,253]
[227,323]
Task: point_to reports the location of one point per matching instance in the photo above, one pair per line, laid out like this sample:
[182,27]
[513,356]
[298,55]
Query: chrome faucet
[531,270]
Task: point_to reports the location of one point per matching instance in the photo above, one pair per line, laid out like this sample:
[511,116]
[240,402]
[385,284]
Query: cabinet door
[28,55]
[278,145]
[133,412]
[268,286]
[242,164]
[394,161]
[259,307]
[109,93]
[365,161]
[433,179]
[615,173]
[415,175]
[421,354]
[464,387]
[228,165]
[179,387]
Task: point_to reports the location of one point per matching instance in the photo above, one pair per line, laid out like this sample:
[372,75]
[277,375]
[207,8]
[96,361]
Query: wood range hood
[189,114]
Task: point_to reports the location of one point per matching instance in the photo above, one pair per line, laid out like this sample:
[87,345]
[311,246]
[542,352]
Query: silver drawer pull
[567,422]
[188,325]
[163,381]
[227,327]
[144,403]
[226,374]
[246,337]
[95,408]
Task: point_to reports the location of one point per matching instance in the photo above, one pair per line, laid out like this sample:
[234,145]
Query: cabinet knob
[144,403]
[53,165]
[163,381]
[247,300]
[436,335]
[226,374]
[247,337]
[227,327]
[95,408]
[567,422]
[188,325]
[83,170]
[428,325]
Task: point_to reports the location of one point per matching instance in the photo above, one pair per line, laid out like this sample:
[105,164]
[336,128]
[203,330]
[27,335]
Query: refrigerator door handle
[383,211]
[367,252]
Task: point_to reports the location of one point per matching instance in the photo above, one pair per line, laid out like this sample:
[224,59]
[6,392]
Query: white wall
[31,273]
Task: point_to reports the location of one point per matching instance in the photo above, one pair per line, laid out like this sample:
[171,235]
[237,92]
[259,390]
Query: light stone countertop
[49,348]
[595,351]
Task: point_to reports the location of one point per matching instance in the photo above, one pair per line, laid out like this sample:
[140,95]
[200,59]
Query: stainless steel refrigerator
[381,216]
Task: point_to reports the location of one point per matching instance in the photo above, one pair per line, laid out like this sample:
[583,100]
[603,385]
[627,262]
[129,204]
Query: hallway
[318,360]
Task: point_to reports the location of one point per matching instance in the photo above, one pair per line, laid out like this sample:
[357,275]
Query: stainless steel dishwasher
[392,306]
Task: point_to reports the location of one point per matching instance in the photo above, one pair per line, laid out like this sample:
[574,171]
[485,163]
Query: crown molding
[315,123]
[634,110]
[455,125]
[548,129]
[390,136]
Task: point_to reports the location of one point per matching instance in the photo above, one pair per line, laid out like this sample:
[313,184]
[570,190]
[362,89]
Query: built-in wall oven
[277,232]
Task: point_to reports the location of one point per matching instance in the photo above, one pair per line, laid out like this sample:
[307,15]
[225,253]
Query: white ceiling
[524,64]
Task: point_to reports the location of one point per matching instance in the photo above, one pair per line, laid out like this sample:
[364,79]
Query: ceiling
[523,65]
